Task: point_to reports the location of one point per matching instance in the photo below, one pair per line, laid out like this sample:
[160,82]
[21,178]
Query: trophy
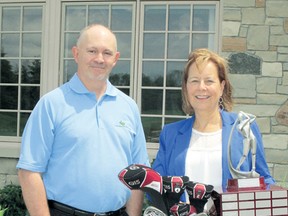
[246,192]
[244,180]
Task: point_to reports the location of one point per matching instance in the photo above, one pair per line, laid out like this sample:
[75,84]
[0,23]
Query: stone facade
[252,30]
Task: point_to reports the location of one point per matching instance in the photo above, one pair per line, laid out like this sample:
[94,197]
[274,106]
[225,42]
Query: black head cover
[174,187]
[198,194]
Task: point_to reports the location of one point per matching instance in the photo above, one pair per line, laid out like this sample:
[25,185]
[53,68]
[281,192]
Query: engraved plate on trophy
[272,201]
[244,180]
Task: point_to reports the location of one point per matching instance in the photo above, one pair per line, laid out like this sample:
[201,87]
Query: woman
[197,147]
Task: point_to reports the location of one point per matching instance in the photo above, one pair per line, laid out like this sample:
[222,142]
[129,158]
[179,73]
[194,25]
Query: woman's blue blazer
[174,142]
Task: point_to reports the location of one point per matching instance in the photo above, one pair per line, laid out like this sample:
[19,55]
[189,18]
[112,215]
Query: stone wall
[255,40]
[8,172]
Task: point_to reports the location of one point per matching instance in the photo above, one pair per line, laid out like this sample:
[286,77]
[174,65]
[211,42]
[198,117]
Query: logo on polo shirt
[122,123]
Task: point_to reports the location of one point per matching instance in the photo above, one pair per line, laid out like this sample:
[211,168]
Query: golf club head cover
[152,211]
[183,209]
[198,194]
[137,176]
[174,187]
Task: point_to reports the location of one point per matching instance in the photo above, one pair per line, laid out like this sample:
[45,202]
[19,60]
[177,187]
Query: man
[80,136]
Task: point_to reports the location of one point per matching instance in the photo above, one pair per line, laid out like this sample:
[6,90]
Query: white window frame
[153,147]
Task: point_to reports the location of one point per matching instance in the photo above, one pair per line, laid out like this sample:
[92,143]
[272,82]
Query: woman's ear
[222,86]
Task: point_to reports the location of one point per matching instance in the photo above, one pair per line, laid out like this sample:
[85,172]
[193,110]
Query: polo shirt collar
[77,86]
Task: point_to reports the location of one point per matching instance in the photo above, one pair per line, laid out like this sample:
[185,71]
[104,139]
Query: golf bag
[164,192]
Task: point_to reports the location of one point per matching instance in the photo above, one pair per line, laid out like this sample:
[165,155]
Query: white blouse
[204,159]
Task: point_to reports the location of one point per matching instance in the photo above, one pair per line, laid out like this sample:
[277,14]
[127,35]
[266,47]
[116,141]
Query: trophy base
[271,201]
[246,184]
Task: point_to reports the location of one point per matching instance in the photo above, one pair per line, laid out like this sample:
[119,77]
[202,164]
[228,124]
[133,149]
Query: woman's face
[204,87]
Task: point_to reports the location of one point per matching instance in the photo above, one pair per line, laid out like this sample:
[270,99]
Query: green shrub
[11,197]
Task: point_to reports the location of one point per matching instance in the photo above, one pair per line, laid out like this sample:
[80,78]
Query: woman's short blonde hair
[200,57]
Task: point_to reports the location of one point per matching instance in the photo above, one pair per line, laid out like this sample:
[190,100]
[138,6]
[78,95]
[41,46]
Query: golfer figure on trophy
[243,180]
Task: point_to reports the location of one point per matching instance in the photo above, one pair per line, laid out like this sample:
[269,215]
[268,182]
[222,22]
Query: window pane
[154,45]
[179,18]
[70,41]
[152,128]
[98,14]
[170,120]
[121,18]
[10,45]
[31,71]
[23,119]
[8,124]
[152,14]
[31,45]
[174,73]
[29,97]
[75,18]
[177,46]
[173,103]
[152,101]
[8,97]
[9,71]
[203,41]
[204,18]
[152,73]
[32,18]
[11,18]
[125,90]
[124,44]
[70,68]
[120,74]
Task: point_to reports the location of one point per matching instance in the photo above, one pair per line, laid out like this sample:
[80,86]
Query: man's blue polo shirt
[80,145]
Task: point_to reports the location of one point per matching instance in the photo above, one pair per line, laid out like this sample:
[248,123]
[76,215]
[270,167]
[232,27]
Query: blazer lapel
[181,145]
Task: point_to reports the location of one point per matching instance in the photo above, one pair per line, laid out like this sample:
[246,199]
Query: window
[168,32]
[120,18]
[20,65]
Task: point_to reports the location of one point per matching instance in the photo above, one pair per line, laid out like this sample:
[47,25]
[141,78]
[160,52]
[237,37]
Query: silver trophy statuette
[244,180]
[243,124]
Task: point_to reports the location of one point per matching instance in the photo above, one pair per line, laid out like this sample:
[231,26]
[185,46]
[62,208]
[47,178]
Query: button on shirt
[81,144]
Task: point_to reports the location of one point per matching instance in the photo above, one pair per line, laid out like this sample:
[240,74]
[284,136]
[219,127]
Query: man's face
[96,54]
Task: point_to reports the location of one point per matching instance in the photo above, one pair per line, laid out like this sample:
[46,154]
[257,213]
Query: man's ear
[117,56]
[75,53]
